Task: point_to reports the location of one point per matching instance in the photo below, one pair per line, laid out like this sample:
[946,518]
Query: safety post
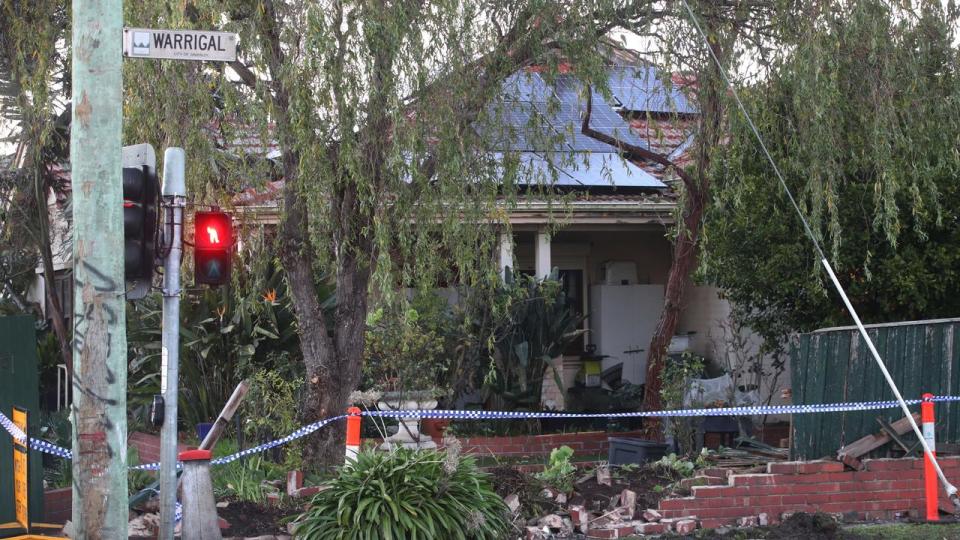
[353,433]
[929,474]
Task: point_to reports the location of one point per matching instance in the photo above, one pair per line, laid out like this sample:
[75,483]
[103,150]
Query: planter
[624,451]
[408,432]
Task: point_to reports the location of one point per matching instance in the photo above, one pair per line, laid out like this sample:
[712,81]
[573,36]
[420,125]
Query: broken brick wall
[886,488]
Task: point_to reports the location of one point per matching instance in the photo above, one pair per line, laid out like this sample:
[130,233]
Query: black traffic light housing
[212,247]
[141,204]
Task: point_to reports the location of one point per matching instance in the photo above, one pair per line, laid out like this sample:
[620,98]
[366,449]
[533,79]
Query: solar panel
[580,169]
[640,89]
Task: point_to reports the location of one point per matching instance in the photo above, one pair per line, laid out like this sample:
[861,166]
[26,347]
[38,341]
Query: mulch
[253,519]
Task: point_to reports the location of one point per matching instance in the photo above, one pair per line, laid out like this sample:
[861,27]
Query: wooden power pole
[99,339]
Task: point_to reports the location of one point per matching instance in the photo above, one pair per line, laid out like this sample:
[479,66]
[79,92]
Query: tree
[862,118]
[33,85]
[731,30]
[375,107]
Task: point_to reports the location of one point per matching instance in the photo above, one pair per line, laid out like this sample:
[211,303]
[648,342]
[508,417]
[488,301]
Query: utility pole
[99,334]
[174,198]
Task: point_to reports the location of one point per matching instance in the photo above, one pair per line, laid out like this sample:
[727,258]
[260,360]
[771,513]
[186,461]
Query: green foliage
[512,338]
[405,346]
[248,479]
[271,406]
[55,427]
[559,471]
[676,381]
[862,115]
[684,467]
[406,494]
[226,336]
[137,479]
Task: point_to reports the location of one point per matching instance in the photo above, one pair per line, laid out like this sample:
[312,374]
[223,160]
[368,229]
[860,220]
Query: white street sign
[179,44]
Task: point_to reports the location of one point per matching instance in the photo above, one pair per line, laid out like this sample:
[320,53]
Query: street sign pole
[99,410]
[174,198]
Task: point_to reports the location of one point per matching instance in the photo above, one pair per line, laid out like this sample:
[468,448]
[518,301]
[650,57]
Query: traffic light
[140,204]
[212,247]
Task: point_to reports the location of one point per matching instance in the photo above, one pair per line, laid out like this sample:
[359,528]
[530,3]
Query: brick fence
[57,505]
[885,488]
[583,443]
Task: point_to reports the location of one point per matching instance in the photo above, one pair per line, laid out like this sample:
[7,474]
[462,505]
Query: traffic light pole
[99,410]
[174,199]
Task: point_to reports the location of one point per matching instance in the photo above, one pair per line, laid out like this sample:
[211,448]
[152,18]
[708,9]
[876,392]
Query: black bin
[624,451]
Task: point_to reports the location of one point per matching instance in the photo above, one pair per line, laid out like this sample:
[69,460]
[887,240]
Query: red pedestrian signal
[213,247]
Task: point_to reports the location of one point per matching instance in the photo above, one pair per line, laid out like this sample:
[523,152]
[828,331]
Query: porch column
[543,254]
[506,252]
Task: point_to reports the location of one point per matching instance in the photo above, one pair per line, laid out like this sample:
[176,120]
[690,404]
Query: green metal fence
[19,385]
[834,365]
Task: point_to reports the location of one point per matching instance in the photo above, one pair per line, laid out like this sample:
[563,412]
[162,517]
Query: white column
[506,251]
[543,254]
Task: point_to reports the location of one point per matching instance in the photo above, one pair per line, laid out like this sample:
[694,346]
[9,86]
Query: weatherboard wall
[835,365]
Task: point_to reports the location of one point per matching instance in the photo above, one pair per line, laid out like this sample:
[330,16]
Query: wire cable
[951,490]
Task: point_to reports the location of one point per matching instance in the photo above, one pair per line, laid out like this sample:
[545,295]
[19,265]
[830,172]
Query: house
[611,245]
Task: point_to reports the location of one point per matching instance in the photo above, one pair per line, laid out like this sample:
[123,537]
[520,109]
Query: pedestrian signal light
[212,247]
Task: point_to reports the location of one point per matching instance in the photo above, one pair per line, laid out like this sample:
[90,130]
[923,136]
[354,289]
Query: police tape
[50,448]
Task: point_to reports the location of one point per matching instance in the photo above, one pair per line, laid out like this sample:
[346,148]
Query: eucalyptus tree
[377,109]
[862,115]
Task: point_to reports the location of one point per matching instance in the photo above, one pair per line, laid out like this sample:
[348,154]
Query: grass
[903,531]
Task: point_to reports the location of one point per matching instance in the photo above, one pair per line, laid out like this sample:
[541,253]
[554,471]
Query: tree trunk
[697,190]
[49,275]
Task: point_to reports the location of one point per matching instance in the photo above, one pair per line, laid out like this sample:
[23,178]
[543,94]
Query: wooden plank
[871,442]
[223,420]
[834,391]
[953,354]
[815,393]
[856,389]
[798,383]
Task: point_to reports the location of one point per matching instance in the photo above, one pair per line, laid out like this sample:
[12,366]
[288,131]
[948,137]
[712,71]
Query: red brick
[676,504]
[686,526]
[888,464]
[822,466]
[716,472]
[753,479]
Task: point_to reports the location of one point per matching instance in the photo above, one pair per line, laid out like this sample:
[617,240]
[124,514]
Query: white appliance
[622,321]
[619,273]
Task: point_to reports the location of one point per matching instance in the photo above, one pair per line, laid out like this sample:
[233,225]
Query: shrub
[406,494]
[559,472]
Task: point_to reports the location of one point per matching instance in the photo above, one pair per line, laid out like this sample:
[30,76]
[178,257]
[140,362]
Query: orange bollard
[929,474]
[353,433]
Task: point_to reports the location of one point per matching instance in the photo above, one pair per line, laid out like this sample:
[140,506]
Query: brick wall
[57,505]
[148,446]
[585,443]
[885,488]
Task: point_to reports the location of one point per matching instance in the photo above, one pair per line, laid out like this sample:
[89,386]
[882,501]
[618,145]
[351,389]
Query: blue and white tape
[50,448]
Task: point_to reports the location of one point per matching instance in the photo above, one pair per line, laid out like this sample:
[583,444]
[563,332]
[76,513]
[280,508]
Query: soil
[649,483]
[507,481]
[796,527]
[252,519]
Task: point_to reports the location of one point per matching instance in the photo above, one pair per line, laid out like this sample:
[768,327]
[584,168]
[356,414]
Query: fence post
[353,433]
[200,520]
[929,475]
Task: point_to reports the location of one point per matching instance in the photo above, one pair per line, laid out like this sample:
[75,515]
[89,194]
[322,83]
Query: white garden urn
[408,432]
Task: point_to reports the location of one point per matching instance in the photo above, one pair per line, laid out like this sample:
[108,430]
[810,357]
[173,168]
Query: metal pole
[174,197]
[99,333]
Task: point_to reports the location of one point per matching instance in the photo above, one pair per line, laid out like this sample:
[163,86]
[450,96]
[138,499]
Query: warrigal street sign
[179,44]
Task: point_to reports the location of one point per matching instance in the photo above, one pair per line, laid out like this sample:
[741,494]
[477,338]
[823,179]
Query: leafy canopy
[862,114]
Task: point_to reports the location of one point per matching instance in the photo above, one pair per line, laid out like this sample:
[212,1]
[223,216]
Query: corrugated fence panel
[835,365]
